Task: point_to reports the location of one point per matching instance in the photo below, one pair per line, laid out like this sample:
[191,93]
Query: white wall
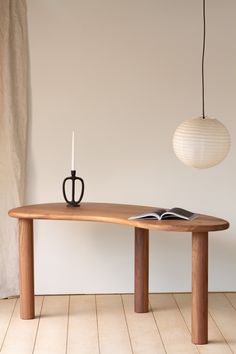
[123,74]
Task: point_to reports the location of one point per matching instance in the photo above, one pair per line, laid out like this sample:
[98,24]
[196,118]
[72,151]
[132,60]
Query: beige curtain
[13,122]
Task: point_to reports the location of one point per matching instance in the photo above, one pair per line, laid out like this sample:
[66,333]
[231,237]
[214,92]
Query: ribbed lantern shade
[201,143]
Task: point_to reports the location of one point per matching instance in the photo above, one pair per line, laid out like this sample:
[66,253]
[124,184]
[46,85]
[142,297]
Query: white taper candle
[73,152]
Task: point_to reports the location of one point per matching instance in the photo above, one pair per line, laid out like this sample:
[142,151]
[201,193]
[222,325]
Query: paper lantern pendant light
[201,142]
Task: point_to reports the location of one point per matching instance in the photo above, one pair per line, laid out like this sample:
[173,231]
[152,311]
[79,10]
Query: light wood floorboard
[52,332]
[173,329]
[112,328]
[217,343]
[7,307]
[82,328]
[144,334]
[224,315]
[232,298]
[20,337]
[107,324]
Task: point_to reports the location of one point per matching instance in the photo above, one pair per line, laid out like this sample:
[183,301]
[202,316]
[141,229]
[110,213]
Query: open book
[160,214]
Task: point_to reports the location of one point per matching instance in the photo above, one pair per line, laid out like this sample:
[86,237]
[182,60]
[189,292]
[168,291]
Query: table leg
[26,255]
[141,269]
[200,287]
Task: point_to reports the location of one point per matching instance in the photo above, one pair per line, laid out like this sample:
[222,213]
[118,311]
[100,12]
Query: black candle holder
[73,178]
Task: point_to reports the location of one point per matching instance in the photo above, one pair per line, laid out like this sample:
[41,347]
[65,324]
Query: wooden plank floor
[107,324]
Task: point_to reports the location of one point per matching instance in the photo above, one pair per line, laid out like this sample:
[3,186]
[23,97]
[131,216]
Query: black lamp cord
[203,56]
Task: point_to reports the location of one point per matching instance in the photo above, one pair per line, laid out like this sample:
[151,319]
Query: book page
[178,213]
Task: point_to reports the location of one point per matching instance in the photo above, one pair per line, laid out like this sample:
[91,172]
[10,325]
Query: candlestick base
[73,205]
[73,179]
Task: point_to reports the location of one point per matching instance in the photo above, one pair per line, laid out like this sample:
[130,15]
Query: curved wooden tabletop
[116,214]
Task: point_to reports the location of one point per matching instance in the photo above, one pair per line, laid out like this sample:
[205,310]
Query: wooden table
[119,214]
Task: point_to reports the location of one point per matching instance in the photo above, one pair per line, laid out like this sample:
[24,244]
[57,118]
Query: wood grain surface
[26,259]
[117,214]
[199,287]
[141,270]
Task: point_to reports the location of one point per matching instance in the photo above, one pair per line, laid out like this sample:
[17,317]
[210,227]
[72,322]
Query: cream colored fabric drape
[13,122]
